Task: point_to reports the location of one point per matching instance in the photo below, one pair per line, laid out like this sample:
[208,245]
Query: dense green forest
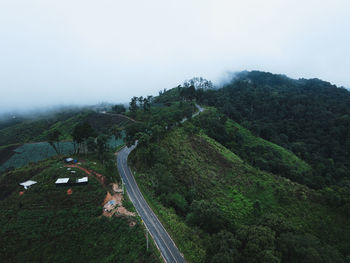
[251,179]
[308,117]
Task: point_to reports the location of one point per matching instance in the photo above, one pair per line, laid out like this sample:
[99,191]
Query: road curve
[165,244]
[163,241]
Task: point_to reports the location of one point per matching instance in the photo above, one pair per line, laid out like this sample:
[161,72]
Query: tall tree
[147,103]
[119,108]
[140,100]
[117,133]
[133,104]
[91,144]
[54,140]
[81,132]
[102,146]
[188,93]
[133,131]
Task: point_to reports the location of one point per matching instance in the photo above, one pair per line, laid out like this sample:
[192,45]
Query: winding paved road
[163,241]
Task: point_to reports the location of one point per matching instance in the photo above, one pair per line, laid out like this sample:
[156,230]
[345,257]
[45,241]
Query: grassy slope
[286,157]
[47,225]
[35,130]
[200,163]
[65,127]
[256,151]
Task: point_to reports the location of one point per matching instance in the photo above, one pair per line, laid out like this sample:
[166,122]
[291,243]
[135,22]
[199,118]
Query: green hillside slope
[45,224]
[256,151]
[36,130]
[218,208]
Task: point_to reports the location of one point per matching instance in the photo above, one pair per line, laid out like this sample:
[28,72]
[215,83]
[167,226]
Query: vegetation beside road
[204,186]
[246,199]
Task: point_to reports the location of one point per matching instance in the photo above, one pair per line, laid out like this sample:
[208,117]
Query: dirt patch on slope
[113,205]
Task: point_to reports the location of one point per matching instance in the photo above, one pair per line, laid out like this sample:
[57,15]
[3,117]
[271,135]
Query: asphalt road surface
[165,244]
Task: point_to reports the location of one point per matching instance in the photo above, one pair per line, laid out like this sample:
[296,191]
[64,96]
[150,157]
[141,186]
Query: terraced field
[34,152]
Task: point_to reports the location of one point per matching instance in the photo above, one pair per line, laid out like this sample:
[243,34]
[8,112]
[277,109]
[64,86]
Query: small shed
[62,181]
[83,180]
[28,184]
[69,160]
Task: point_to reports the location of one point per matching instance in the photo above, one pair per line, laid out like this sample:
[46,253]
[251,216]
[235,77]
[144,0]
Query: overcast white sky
[64,52]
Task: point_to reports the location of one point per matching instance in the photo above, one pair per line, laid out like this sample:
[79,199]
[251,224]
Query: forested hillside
[260,176]
[308,117]
[220,209]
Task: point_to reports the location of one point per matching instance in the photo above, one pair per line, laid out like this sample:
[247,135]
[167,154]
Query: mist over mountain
[86,52]
[49,111]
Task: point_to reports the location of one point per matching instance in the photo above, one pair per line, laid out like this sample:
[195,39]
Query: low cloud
[84,52]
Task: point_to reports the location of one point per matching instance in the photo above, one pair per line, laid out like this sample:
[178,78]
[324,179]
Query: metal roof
[28,183]
[82,180]
[62,181]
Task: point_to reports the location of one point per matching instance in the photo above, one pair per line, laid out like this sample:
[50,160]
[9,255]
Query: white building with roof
[83,180]
[62,181]
[28,184]
[69,160]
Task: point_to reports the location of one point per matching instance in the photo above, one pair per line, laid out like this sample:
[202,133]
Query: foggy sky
[85,52]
